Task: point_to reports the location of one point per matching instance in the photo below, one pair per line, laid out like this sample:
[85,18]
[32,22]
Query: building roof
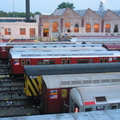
[81,12]
[117,12]
[59,11]
[100,13]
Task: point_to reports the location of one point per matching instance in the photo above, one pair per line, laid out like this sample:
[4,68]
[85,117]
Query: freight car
[54,89]
[95,98]
[18,58]
[94,115]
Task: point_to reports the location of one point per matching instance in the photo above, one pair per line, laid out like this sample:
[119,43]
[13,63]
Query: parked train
[52,83]
[5,47]
[95,98]
[93,40]
[55,89]
[94,115]
[31,56]
[37,71]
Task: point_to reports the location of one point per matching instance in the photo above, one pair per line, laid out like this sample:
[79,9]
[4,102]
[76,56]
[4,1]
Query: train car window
[100,99]
[114,106]
[101,60]
[106,60]
[118,59]
[40,62]
[52,61]
[83,61]
[63,61]
[100,107]
[27,62]
[68,61]
[44,62]
[22,62]
[88,109]
[91,60]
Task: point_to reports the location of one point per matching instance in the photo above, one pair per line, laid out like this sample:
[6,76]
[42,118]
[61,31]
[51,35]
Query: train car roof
[99,40]
[65,47]
[77,80]
[56,69]
[93,115]
[51,53]
[48,44]
[33,43]
[96,95]
[112,46]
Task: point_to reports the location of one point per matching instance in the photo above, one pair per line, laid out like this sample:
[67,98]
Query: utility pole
[13,9]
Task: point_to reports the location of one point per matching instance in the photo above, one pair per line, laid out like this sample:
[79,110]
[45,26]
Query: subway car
[54,88]
[36,56]
[95,98]
[33,73]
[5,47]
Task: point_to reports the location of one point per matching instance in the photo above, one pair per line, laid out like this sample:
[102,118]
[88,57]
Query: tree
[65,5]
[37,13]
[17,14]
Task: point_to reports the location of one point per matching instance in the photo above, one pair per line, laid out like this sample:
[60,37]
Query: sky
[49,6]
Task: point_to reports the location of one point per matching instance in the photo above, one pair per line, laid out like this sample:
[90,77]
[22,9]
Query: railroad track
[13,102]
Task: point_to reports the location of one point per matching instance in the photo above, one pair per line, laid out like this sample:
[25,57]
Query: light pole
[13,9]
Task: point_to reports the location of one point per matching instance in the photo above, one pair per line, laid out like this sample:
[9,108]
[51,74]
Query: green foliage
[17,14]
[37,13]
[65,5]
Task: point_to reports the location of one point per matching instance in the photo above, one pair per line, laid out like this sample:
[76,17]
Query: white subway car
[95,98]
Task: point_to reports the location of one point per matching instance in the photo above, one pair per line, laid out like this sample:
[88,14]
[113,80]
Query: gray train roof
[35,43]
[94,46]
[81,95]
[61,53]
[92,40]
[81,80]
[93,115]
[35,70]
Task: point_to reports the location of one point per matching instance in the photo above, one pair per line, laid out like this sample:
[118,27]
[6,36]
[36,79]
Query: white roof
[94,115]
[59,53]
[79,47]
[37,43]
[102,40]
[110,92]
[77,80]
